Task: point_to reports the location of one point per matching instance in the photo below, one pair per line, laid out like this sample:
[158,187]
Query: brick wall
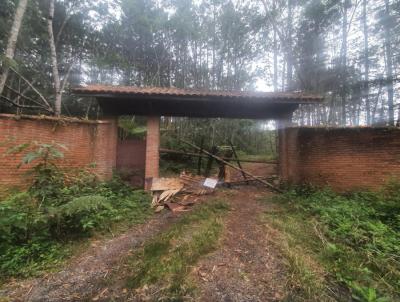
[342,158]
[88,144]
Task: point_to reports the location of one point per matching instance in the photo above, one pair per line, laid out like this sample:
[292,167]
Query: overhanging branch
[22,106]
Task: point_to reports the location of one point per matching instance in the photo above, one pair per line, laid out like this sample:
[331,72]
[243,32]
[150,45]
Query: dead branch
[19,105]
[24,97]
[65,80]
[49,108]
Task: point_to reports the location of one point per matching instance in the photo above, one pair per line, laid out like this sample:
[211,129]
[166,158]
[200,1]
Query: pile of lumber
[187,186]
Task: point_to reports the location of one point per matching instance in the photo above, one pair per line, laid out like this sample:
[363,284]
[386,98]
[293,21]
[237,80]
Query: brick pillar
[152,149]
[105,147]
[283,152]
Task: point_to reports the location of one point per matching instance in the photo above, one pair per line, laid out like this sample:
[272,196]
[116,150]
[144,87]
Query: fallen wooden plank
[175,207]
[165,184]
[168,194]
[194,184]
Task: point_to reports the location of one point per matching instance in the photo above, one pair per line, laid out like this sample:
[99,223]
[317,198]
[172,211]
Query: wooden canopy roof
[126,100]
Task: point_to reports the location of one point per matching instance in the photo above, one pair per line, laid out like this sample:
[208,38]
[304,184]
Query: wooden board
[166,184]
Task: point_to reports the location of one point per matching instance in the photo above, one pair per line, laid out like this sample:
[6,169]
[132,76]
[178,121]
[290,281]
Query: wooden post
[200,156]
[238,161]
[214,150]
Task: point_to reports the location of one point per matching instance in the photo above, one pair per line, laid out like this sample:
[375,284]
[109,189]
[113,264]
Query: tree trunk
[389,65]
[214,48]
[12,41]
[343,92]
[290,47]
[275,55]
[366,62]
[53,53]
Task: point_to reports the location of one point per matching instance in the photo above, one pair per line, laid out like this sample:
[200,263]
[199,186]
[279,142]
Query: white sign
[210,183]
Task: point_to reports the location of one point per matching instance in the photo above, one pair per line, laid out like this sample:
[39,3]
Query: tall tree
[366,61]
[275,53]
[54,64]
[343,93]
[289,45]
[389,62]
[12,42]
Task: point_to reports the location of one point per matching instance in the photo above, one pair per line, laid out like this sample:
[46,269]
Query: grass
[165,261]
[293,235]
[339,247]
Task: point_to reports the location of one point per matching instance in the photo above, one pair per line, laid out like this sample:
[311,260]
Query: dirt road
[244,267]
[84,273]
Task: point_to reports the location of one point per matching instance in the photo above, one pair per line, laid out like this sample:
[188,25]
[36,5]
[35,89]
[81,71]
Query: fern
[85,204]
[86,213]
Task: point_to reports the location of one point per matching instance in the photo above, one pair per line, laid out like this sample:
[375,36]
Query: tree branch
[22,106]
[50,109]
[65,80]
[23,96]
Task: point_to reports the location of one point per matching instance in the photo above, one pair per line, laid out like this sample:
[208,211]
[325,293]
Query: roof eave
[279,99]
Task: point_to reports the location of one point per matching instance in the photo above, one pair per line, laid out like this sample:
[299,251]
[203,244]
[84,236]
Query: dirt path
[86,271]
[245,267]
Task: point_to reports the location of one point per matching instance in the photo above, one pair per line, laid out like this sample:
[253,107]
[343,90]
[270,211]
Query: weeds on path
[163,264]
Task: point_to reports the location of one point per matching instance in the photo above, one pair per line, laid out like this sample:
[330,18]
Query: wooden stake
[200,157]
[238,161]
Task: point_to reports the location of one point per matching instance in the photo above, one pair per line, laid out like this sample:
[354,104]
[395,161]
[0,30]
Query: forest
[344,50]
[72,228]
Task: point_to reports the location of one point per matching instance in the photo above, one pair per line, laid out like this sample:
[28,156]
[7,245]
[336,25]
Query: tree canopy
[343,49]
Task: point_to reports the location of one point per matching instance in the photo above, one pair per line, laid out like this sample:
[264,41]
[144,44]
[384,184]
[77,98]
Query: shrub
[36,225]
[83,214]
[34,233]
[21,220]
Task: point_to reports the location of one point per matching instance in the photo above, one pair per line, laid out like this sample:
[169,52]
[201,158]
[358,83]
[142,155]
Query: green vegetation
[340,246]
[38,227]
[166,260]
[132,127]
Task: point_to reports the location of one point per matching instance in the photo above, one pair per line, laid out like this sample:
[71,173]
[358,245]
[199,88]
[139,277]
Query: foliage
[85,213]
[325,46]
[37,226]
[163,261]
[34,234]
[354,236]
[249,137]
[133,127]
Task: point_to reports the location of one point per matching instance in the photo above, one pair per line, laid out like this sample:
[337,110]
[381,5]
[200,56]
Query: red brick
[342,158]
[88,144]
[152,147]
